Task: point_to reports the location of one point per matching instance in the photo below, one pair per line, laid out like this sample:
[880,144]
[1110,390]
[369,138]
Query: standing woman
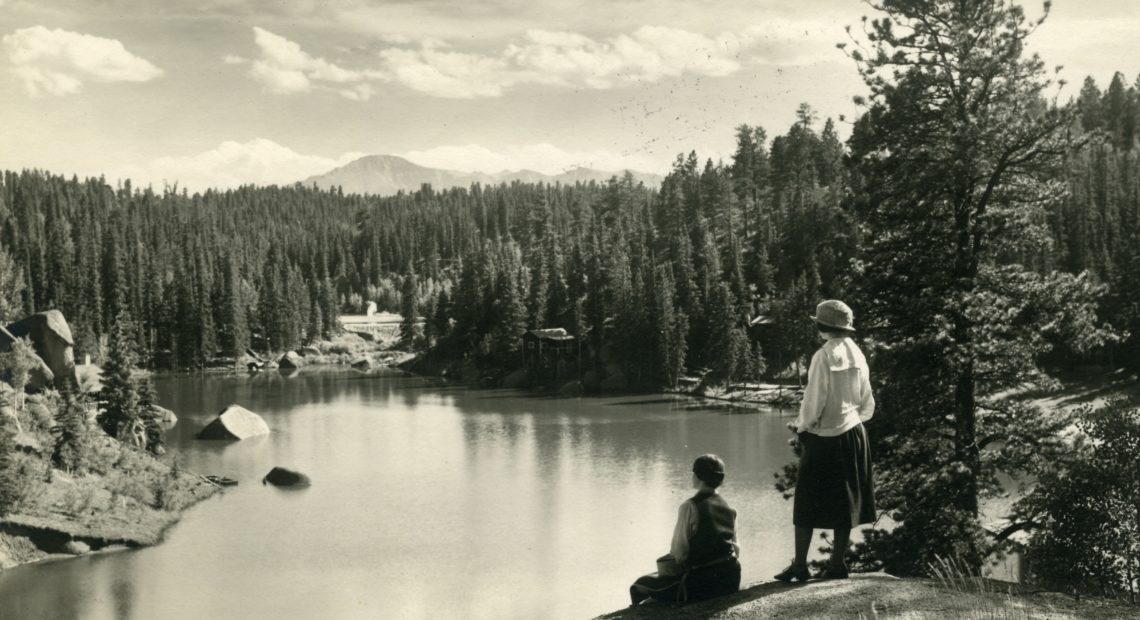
[834,489]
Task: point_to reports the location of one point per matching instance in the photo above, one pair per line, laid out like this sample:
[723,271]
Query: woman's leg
[839,548]
[803,545]
[798,569]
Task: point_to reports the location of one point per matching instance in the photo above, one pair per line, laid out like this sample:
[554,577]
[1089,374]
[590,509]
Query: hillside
[387,174]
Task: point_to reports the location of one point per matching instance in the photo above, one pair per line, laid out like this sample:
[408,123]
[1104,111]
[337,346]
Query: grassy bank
[116,495]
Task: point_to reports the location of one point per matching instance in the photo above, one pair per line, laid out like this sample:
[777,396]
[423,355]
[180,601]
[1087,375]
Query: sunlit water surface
[428,500]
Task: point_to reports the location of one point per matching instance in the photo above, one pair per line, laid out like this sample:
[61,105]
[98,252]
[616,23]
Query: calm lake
[429,500]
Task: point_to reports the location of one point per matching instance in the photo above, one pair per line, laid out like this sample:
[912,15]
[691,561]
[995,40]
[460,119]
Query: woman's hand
[794,442]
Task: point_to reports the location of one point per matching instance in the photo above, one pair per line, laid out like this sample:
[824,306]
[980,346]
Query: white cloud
[284,68]
[230,164]
[447,74]
[58,62]
[543,157]
[566,59]
[541,57]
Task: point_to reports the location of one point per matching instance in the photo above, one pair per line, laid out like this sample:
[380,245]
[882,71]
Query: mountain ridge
[384,175]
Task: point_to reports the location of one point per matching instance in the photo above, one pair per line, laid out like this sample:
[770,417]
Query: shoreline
[27,539]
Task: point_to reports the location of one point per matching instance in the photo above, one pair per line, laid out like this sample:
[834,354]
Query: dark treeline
[679,271]
[206,275]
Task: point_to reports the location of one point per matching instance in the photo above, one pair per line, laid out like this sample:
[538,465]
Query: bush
[71,433]
[9,495]
[1086,511]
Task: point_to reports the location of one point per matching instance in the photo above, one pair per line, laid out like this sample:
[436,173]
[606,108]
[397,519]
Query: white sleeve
[867,407]
[686,524]
[815,394]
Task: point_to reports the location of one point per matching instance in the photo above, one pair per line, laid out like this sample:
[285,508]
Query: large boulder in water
[51,338]
[282,477]
[291,360]
[235,422]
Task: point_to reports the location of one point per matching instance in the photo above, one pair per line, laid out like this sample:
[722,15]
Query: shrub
[1086,510]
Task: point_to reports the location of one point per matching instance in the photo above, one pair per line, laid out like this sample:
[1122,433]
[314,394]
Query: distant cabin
[548,352]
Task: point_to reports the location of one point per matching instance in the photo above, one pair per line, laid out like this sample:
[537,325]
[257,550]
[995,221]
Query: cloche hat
[835,314]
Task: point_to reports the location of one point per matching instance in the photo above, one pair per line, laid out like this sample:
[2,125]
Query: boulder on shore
[51,339]
[291,360]
[309,351]
[516,379]
[77,547]
[615,378]
[165,416]
[362,364]
[282,477]
[572,389]
[28,443]
[235,422]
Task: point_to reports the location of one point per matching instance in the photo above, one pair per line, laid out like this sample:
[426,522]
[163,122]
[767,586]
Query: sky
[217,93]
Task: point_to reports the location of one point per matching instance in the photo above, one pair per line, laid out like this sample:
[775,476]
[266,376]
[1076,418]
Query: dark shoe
[794,573]
[830,572]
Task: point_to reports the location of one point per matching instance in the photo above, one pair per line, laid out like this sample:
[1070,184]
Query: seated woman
[702,561]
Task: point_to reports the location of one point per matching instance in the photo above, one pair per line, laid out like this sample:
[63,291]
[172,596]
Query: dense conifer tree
[956,151]
[409,311]
[119,407]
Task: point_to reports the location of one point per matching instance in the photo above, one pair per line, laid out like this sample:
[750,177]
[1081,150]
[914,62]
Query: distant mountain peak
[386,175]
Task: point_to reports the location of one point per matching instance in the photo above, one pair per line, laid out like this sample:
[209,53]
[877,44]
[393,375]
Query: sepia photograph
[569,309]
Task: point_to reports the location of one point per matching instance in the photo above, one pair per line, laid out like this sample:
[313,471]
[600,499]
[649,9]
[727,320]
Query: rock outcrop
[164,416]
[51,338]
[573,389]
[291,360]
[516,379]
[363,364]
[235,422]
[282,477]
[309,351]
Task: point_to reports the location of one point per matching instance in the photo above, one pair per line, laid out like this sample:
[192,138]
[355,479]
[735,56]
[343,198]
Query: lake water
[429,500]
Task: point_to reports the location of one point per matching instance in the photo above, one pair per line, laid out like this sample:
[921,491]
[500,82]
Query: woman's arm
[867,407]
[683,531]
[815,394]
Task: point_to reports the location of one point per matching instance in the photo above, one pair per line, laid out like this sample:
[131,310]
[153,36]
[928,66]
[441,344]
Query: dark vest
[716,527]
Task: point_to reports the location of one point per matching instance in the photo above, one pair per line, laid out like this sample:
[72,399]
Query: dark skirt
[695,585]
[835,488]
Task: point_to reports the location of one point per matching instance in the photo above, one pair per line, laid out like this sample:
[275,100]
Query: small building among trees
[547,353]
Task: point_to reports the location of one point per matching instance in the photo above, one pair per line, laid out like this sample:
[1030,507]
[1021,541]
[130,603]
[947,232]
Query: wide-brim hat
[835,314]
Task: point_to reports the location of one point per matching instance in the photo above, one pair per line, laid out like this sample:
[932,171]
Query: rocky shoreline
[52,528]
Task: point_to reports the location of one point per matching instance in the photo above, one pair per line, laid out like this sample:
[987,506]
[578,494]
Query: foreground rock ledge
[878,595]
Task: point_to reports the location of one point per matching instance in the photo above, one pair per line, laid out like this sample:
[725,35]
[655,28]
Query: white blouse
[838,394]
